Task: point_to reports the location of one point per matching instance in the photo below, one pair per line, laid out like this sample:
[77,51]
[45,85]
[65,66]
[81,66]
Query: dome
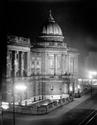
[51,27]
[51,32]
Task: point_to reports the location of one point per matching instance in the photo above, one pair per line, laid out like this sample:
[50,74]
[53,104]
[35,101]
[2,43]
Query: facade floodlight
[75,89]
[20,87]
[71,89]
[90,76]
[92,73]
[78,86]
[79,80]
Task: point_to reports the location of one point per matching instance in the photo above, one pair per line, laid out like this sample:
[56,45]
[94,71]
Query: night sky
[78,20]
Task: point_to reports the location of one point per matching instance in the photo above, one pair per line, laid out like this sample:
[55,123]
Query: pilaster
[55,64]
[67,63]
[62,63]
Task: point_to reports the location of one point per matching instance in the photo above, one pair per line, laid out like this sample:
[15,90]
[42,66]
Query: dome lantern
[51,19]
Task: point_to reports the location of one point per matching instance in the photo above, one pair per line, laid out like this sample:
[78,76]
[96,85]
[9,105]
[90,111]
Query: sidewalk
[61,110]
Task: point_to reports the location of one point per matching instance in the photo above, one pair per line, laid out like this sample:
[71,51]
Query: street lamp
[17,87]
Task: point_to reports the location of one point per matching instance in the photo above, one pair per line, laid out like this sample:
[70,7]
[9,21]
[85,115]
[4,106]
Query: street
[73,113]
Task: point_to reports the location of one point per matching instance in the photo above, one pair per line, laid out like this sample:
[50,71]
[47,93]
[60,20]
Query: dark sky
[78,20]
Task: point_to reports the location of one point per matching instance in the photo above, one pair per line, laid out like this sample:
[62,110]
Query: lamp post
[13,100]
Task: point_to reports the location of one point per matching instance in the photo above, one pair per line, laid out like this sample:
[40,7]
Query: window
[33,62]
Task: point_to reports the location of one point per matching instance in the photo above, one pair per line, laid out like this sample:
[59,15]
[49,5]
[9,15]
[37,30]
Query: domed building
[48,67]
[54,61]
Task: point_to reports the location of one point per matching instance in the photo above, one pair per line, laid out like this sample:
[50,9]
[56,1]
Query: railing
[18,40]
[43,107]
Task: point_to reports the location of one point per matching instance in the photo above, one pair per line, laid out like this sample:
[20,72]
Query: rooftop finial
[50,12]
[51,19]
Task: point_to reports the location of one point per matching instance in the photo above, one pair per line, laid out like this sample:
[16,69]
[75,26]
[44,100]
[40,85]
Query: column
[22,63]
[46,61]
[43,63]
[28,64]
[12,60]
[19,63]
[68,63]
[15,64]
[25,64]
[64,65]
[8,64]
[73,65]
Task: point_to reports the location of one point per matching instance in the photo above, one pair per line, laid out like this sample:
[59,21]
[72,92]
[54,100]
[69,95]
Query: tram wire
[88,118]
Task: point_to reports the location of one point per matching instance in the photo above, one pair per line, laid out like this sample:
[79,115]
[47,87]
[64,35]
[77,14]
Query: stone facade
[48,68]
